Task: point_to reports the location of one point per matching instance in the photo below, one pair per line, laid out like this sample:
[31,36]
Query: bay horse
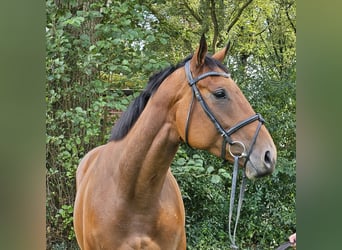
[127,197]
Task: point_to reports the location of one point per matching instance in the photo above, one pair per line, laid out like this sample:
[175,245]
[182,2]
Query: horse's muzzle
[260,165]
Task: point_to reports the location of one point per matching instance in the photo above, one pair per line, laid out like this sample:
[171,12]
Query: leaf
[191,162]
[75,21]
[210,169]
[78,109]
[150,38]
[78,141]
[224,173]
[126,22]
[196,156]
[152,61]
[163,41]
[181,161]
[216,179]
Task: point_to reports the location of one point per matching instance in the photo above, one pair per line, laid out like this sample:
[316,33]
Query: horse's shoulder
[87,163]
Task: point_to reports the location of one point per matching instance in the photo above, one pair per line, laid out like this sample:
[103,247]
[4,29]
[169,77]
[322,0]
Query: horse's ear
[221,55]
[199,55]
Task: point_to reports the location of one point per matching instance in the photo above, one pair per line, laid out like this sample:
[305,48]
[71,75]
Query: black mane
[131,115]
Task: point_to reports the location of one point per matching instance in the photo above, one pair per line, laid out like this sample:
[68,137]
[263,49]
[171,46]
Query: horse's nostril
[267,158]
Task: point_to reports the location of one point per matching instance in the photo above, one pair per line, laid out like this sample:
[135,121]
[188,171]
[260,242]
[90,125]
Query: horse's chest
[140,242]
[151,230]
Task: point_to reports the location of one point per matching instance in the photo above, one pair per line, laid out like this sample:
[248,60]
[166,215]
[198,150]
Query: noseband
[226,134]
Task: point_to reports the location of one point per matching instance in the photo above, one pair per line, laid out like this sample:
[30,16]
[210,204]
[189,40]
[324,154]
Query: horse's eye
[220,94]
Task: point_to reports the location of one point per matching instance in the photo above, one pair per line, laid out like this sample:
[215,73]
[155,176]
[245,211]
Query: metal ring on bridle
[243,153]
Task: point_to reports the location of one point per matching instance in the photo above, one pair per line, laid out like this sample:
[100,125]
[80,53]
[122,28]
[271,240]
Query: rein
[226,134]
[285,245]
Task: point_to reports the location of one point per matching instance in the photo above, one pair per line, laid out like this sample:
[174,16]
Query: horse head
[216,116]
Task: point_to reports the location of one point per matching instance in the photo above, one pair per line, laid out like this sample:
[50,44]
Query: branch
[193,13]
[215,23]
[236,18]
[289,18]
[258,34]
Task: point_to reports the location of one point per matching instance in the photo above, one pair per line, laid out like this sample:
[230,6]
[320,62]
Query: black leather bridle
[226,134]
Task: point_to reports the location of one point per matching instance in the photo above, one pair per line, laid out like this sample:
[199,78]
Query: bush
[267,215]
[91,60]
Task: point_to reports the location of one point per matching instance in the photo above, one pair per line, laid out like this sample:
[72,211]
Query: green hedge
[90,60]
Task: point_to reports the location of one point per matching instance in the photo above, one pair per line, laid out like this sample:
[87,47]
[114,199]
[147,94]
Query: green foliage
[99,57]
[268,212]
[65,213]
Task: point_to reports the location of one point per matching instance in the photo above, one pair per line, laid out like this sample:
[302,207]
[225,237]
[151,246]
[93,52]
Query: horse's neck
[147,154]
